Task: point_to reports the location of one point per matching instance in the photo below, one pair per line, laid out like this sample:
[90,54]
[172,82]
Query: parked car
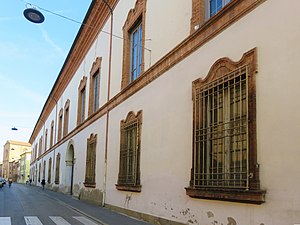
[2,180]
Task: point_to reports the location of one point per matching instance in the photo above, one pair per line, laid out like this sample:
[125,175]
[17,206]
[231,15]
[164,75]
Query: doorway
[70,161]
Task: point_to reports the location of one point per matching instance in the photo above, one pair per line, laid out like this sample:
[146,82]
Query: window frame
[94,95]
[253,194]
[66,118]
[60,124]
[136,16]
[130,184]
[136,64]
[90,165]
[81,101]
[49,170]
[201,12]
[57,168]
[208,8]
[51,133]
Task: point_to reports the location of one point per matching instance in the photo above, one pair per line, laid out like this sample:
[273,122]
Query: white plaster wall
[167,24]
[167,129]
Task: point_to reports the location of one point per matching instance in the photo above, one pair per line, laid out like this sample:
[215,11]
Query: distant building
[11,156]
[1,169]
[24,166]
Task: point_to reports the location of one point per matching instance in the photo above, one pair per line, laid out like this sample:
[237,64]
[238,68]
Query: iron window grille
[221,131]
[90,173]
[129,165]
[224,164]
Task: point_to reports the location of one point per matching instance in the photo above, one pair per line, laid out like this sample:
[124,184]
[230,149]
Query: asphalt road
[30,205]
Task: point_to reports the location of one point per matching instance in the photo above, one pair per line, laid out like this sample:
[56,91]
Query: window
[40,168]
[44,170]
[40,145]
[202,10]
[60,119]
[129,164]
[51,133]
[81,101]
[95,86]
[66,117]
[215,6]
[49,170]
[46,139]
[91,161]
[57,168]
[133,45]
[136,50]
[224,162]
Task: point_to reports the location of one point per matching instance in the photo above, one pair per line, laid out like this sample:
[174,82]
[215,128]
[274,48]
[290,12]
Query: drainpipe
[108,97]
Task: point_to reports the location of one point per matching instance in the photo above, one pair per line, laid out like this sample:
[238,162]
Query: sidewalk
[96,213]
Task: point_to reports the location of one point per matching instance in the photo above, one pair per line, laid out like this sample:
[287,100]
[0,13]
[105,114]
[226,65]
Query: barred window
[90,172]
[57,168]
[221,146]
[49,170]
[129,165]
[44,170]
[224,162]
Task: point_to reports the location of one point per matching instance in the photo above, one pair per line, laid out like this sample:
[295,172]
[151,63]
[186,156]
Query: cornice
[89,31]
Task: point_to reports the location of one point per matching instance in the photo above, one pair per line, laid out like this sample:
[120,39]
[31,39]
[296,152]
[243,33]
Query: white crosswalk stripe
[84,220]
[5,221]
[58,220]
[32,220]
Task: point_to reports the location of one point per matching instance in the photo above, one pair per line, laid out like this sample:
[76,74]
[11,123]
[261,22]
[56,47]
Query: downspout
[108,97]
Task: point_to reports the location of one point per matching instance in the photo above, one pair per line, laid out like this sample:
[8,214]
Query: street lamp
[33,15]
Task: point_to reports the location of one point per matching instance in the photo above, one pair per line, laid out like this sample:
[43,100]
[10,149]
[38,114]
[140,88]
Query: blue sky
[31,56]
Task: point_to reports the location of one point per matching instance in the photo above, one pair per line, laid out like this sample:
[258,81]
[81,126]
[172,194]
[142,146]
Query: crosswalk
[58,220]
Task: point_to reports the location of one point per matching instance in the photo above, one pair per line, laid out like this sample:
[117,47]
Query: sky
[31,57]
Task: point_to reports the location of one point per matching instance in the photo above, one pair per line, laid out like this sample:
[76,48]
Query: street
[30,205]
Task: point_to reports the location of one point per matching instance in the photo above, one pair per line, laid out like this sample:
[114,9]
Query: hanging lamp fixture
[33,15]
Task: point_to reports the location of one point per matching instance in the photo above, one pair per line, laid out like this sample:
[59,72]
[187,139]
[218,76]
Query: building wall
[167,117]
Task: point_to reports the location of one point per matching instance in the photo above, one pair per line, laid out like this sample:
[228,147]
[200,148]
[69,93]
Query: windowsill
[123,187]
[91,185]
[231,195]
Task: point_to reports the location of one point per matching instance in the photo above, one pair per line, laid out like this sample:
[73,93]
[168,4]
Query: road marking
[84,220]
[32,220]
[58,220]
[5,221]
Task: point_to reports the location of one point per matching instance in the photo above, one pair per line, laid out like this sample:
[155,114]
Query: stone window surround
[135,16]
[60,124]
[254,195]
[90,173]
[66,117]
[130,118]
[96,68]
[81,87]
